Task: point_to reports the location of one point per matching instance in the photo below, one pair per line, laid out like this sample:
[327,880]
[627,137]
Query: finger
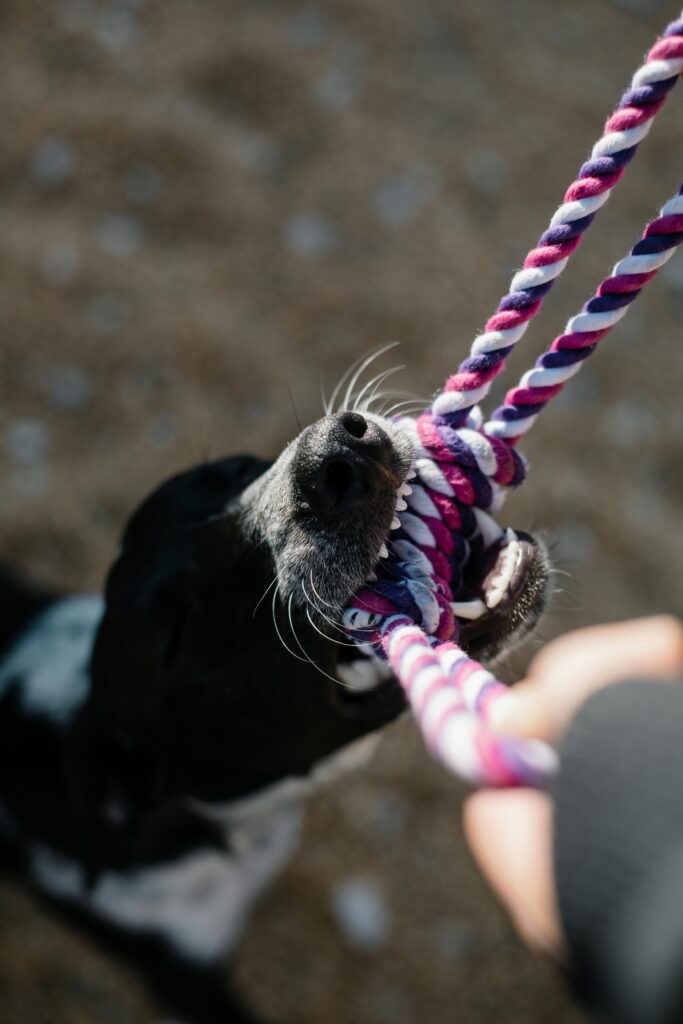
[572,668]
[653,644]
[510,836]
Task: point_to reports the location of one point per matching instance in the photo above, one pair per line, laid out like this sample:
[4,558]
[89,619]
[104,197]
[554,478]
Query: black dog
[156,748]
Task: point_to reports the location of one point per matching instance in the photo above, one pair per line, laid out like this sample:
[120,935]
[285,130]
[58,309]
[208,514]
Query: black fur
[192,699]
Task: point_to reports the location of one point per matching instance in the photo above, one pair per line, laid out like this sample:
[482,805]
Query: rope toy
[465,466]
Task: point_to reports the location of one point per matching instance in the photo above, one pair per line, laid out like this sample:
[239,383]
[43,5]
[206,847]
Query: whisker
[274,580]
[345,376]
[308,658]
[393,393]
[332,640]
[361,369]
[277,628]
[352,586]
[335,625]
[376,396]
[554,571]
[295,634]
[319,596]
[323,397]
[389,393]
[338,623]
[407,408]
[294,409]
[376,382]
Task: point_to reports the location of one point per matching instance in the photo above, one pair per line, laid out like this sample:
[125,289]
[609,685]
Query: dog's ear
[157,592]
[191,497]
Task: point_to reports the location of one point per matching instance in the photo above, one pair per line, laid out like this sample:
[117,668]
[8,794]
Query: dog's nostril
[340,485]
[354,424]
[339,478]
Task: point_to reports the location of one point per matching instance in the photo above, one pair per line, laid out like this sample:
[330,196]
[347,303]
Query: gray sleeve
[619,851]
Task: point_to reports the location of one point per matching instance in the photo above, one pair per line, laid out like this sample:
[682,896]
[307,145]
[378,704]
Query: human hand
[510,832]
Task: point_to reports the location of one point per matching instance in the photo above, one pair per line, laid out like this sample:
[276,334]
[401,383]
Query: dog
[157,745]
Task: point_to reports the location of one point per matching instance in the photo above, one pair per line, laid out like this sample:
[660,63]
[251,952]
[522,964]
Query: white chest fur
[199,903]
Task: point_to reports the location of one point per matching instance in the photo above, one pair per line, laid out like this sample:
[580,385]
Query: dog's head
[221,653]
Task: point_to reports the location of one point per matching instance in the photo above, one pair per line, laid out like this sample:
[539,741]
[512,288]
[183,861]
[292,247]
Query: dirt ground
[206,205]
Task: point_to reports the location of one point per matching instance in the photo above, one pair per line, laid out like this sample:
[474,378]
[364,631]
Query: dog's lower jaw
[504,626]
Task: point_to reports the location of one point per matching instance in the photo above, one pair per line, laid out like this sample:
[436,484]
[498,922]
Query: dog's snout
[343,461]
[342,483]
[361,435]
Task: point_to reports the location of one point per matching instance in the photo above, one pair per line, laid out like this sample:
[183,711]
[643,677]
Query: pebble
[361,913]
[75,14]
[53,163]
[143,185]
[107,314]
[454,940]
[67,387]
[27,442]
[120,234]
[116,29]
[60,263]
[390,816]
[161,431]
[308,28]
[385,1002]
[399,199]
[32,481]
[487,170]
[257,152]
[339,87]
[309,234]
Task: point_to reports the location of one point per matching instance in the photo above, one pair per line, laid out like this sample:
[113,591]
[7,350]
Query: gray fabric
[619,851]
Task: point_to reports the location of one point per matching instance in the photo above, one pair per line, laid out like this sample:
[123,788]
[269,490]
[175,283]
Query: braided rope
[464,468]
[610,303]
[611,154]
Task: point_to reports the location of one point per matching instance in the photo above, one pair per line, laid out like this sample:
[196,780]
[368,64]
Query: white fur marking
[49,662]
[199,904]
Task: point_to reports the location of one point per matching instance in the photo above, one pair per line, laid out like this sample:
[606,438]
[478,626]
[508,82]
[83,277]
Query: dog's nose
[354,424]
[345,461]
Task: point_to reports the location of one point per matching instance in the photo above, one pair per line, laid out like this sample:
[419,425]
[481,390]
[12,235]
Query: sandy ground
[204,206]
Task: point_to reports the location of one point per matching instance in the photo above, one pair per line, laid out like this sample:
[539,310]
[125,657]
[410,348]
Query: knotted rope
[464,467]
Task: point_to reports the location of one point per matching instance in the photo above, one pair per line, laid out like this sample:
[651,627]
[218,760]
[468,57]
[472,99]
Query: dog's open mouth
[503,594]
[502,597]
[497,579]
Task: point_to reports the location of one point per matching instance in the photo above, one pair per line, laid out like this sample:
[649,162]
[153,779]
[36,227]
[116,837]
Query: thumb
[510,835]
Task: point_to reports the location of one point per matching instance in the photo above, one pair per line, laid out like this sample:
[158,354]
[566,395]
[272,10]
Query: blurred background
[206,206]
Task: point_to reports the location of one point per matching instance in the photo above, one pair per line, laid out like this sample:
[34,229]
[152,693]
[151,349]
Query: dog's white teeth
[401,505]
[395,523]
[411,474]
[494,597]
[468,609]
[500,583]
[405,489]
[491,532]
[384,551]
[510,535]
